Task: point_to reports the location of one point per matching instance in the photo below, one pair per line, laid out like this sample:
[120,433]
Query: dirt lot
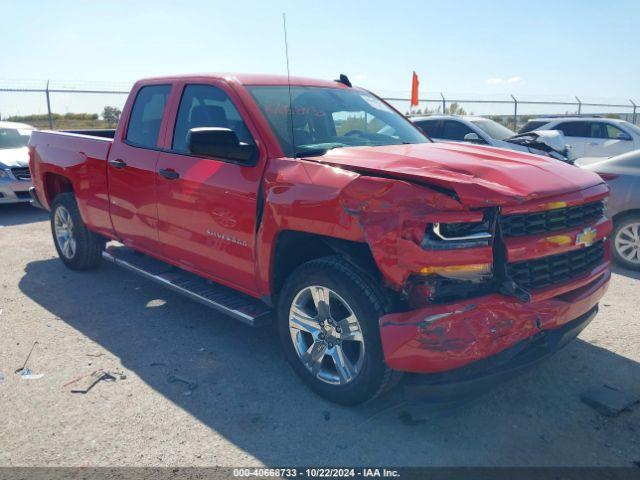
[248,407]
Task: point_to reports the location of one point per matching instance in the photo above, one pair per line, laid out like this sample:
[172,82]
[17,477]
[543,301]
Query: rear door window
[430,127]
[572,129]
[146,115]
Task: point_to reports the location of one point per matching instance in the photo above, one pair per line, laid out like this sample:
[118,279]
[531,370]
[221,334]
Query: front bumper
[439,339]
[14,191]
[455,385]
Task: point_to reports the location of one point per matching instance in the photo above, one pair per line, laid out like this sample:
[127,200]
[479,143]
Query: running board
[238,305]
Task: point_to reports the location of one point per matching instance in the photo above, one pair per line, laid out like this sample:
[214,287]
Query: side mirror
[221,143]
[472,137]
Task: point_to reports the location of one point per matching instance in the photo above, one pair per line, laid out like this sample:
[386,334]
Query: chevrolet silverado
[377,255]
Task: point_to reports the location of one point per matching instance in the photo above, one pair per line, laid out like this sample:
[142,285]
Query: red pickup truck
[316,204]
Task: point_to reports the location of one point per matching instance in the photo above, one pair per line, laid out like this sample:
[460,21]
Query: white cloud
[494,81]
[515,79]
[359,77]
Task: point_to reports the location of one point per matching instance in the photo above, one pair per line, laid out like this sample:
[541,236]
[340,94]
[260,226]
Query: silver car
[622,173]
[15,178]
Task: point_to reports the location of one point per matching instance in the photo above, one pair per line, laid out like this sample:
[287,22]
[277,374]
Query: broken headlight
[446,236]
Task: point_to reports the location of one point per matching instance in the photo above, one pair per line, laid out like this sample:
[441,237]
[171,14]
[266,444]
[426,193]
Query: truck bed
[64,155]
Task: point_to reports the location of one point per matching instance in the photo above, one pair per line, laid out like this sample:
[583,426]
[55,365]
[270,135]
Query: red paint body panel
[479,327]
[383,197]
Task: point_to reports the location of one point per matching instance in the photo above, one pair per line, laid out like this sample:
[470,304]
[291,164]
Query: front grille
[21,173]
[543,272]
[550,220]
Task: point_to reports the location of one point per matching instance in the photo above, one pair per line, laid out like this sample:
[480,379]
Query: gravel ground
[248,407]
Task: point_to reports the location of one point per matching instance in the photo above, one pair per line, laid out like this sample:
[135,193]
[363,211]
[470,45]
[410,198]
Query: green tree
[455,109]
[111,115]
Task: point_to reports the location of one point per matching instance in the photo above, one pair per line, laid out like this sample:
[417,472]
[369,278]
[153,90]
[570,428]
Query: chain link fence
[68,105]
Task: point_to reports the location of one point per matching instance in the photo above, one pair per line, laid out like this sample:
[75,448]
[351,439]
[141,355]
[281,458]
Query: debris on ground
[97,354]
[27,374]
[1,377]
[87,382]
[608,400]
[26,360]
[191,385]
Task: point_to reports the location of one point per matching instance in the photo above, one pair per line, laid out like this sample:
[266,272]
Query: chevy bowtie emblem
[586,237]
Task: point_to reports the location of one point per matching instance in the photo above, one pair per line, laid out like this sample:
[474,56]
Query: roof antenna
[286,52]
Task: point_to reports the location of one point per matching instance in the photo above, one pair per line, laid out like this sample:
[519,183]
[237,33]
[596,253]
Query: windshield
[326,118]
[14,138]
[493,129]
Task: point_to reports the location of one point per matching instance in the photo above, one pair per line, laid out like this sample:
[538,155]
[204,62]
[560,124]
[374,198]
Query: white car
[591,136]
[466,128]
[15,179]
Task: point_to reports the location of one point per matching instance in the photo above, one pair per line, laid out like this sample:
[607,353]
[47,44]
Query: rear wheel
[328,315]
[626,241]
[78,247]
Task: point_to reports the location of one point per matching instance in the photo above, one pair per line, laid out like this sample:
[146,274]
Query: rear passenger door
[576,136]
[131,170]
[207,207]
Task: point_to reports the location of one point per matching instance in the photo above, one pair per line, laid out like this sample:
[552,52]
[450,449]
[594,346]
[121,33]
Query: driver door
[207,206]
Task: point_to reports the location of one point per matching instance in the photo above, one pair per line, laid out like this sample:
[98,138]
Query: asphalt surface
[247,407]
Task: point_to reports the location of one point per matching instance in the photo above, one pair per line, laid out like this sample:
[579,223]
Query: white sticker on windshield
[24,132]
[373,101]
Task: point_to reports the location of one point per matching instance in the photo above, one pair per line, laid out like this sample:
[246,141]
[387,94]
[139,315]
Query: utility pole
[49,107]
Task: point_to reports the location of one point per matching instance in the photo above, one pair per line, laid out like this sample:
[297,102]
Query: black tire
[367,301]
[619,225]
[87,253]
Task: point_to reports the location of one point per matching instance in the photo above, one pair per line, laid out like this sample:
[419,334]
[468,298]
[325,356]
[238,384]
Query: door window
[146,115]
[615,133]
[572,129]
[430,127]
[206,106]
[452,130]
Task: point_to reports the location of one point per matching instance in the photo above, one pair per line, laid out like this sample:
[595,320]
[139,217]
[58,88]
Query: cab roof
[249,79]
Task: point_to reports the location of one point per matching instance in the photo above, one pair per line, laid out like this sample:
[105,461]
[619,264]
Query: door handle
[169,173]
[118,163]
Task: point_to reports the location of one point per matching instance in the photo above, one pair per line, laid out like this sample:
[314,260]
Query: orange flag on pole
[414,90]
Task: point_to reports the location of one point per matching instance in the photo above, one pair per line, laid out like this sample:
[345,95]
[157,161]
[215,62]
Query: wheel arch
[293,248]
[625,213]
[55,184]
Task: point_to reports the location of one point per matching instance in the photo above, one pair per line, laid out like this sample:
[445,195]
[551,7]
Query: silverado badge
[586,237]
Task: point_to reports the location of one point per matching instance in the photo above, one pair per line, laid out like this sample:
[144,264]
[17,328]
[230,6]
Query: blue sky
[489,48]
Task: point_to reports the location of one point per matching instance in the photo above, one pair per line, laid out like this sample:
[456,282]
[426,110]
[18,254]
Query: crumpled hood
[14,157]
[479,175]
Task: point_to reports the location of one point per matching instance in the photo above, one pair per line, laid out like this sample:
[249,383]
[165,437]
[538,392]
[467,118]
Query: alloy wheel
[63,226]
[326,335]
[627,242]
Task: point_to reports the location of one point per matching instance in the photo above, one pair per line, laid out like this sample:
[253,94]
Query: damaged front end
[452,268]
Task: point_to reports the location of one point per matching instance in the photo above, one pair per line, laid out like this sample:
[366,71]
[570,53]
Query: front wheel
[78,247]
[328,315]
[626,241]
